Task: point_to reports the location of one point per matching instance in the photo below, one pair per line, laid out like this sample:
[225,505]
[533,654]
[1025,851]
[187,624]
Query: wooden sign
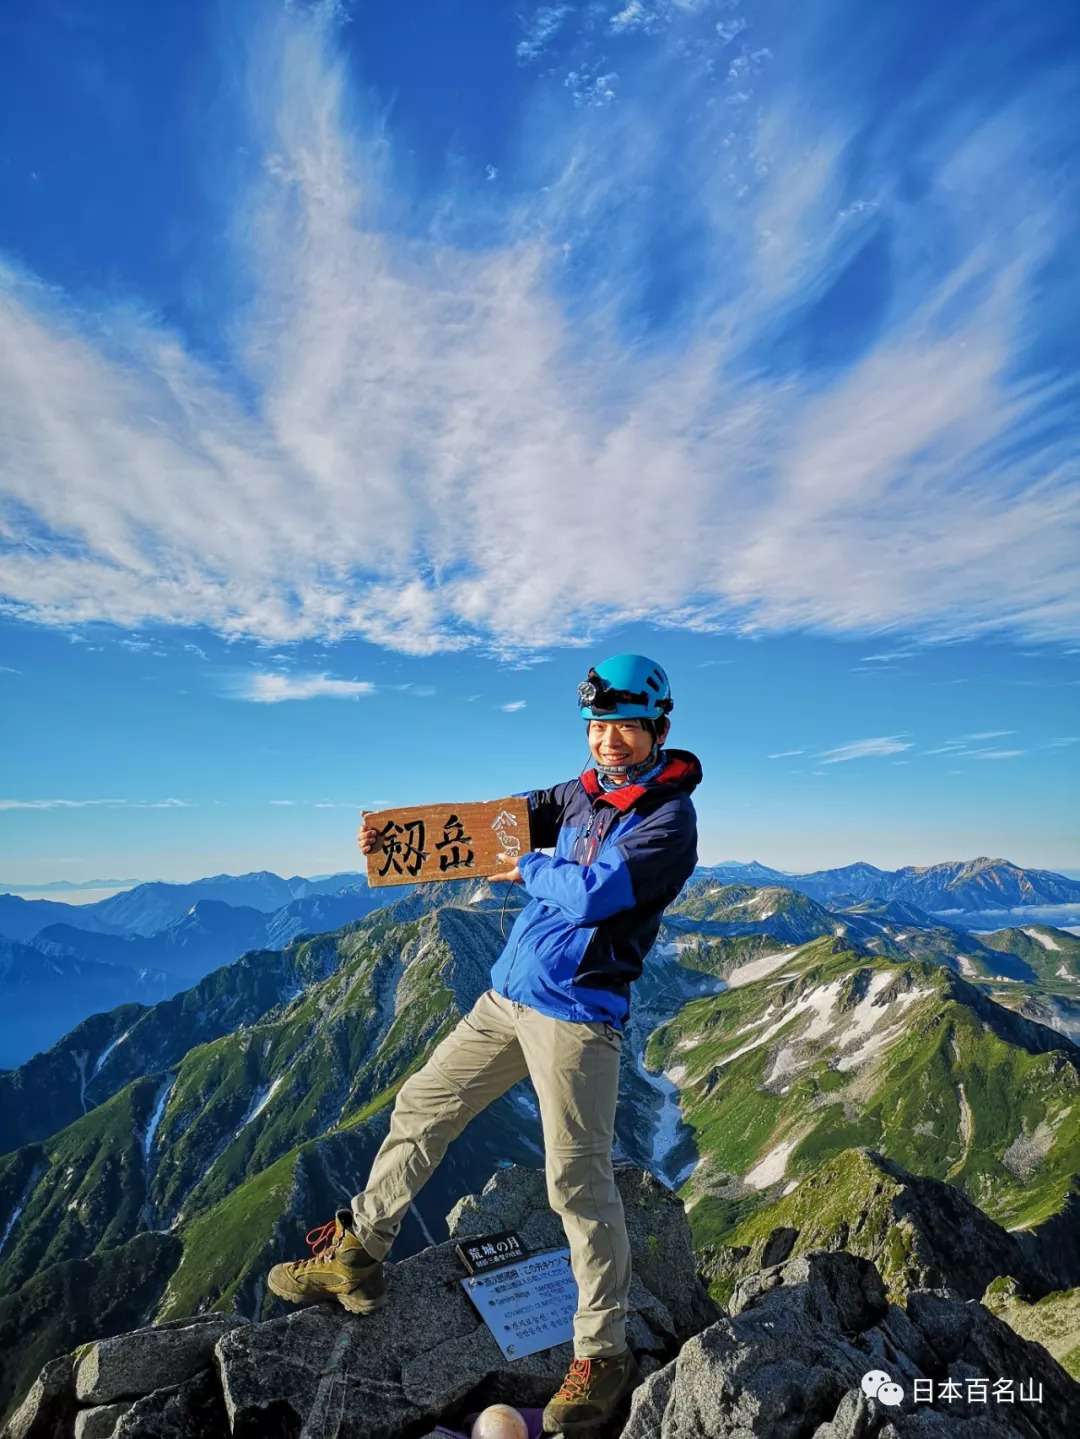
[447,841]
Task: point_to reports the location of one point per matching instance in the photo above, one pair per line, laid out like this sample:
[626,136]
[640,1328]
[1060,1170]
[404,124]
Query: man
[625,842]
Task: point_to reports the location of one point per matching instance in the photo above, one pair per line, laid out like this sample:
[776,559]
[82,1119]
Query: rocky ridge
[791,1359]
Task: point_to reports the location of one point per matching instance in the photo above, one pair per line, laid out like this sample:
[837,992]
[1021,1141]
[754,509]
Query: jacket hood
[681,774]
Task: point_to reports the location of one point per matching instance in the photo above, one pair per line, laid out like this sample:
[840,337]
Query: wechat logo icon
[876,1384]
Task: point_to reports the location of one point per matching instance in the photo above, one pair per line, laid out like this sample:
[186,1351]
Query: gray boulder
[131,1365]
[192,1410]
[426,1354]
[661,1247]
[99,1422]
[48,1411]
[789,1363]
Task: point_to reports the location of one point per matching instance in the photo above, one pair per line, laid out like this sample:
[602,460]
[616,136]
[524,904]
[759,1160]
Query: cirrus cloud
[401,414]
[270,687]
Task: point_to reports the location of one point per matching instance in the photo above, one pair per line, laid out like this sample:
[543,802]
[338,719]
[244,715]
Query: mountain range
[167,1153]
[960,886]
[157,938]
[149,943]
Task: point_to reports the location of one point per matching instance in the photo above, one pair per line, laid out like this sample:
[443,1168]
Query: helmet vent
[651,682]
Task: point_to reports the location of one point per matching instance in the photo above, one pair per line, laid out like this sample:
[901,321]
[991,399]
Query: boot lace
[576,1383]
[322,1244]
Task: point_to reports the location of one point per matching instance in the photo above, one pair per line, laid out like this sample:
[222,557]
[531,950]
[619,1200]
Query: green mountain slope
[1053,955]
[239,1145]
[231,1119]
[843,1048]
[920,1233]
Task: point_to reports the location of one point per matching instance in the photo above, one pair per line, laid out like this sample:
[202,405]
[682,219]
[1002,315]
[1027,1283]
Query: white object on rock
[500,1421]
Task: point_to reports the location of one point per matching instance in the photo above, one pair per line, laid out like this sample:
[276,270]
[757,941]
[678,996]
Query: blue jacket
[621,857]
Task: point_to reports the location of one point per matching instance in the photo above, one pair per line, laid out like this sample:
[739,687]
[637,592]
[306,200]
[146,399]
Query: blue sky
[367,371]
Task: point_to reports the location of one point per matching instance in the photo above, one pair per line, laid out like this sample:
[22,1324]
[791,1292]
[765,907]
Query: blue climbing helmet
[627,687]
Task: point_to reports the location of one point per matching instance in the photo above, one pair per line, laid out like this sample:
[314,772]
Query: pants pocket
[605,1031]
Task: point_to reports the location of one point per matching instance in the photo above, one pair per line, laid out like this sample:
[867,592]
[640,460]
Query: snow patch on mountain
[759,968]
[1043,939]
[870,1046]
[818,1002]
[525,1099]
[771,1169]
[81,1058]
[155,1121]
[967,1121]
[785,1062]
[665,1137]
[103,1056]
[13,1219]
[259,1103]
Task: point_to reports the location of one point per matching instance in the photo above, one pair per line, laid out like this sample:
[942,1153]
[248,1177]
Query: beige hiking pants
[574,1069]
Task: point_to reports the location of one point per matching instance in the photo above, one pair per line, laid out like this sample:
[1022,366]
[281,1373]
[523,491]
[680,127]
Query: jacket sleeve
[655,858]
[546,808]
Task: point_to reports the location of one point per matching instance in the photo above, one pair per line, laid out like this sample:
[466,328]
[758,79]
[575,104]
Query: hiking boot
[591,1393]
[339,1268]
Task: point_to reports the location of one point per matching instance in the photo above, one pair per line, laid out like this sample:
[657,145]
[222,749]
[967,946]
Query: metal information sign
[528,1306]
[448,841]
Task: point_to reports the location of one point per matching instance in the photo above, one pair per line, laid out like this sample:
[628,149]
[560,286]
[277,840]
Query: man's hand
[369,839]
[511,876]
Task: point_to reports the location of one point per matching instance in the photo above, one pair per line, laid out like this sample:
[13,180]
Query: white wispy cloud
[784,753]
[400,414]
[1063,740]
[513,706]
[960,747]
[91,803]
[272,687]
[994,754]
[591,88]
[887,656]
[635,15]
[317,803]
[541,28]
[864,749]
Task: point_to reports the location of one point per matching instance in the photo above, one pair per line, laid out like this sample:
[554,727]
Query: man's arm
[655,855]
[545,813]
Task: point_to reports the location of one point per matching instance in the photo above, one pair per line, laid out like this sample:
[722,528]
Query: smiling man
[625,841]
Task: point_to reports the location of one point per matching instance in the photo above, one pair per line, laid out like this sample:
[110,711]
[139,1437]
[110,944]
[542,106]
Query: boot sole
[591,1426]
[360,1303]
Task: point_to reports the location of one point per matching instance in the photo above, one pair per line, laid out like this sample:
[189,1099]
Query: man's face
[619,741]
